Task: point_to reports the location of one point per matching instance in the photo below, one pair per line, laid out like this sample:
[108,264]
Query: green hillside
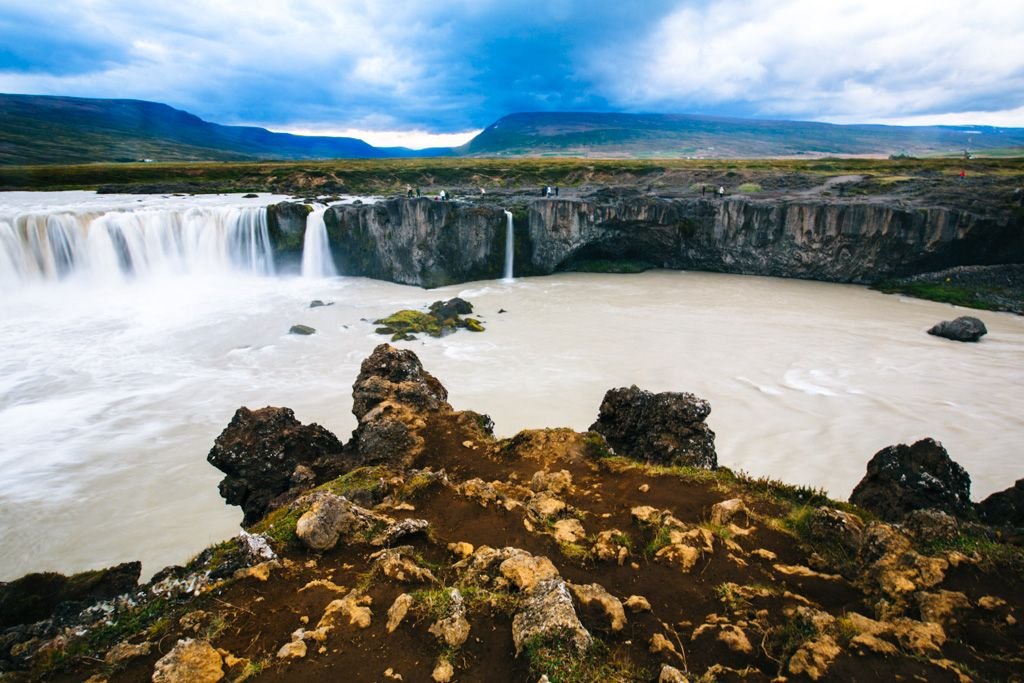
[671,135]
[68,130]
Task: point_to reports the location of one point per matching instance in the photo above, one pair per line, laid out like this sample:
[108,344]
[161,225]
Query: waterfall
[114,245]
[509,246]
[316,248]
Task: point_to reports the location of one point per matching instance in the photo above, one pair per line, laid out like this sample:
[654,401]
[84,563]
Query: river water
[112,390]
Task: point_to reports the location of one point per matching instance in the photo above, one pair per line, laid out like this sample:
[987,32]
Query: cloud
[849,59]
[451,66]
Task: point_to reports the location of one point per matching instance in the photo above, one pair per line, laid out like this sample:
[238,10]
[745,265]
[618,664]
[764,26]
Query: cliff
[427,243]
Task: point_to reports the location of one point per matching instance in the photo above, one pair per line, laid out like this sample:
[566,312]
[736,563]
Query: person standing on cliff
[721,191]
[702,188]
[556,190]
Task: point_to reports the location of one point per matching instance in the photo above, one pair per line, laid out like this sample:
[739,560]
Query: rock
[303,330]
[320,527]
[637,603]
[452,308]
[547,611]
[735,639]
[461,549]
[354,607]
[453,629]
[317,303]
[286,226]
[296,649]
[924,639]
[931,526]
[260,449]
[525,571]
[554,482]
[36,596]
[829,525]
[725,512]
[394,565]
[941,607]
[670,674]
[665,429]
[595,594]
[1004,507]
[399,530]
[122,652]
[682,555]
[964,329]
[544,505]
[814,657]
[901,479]
[190,661]
[443,671]
[568,530]
[659,643]
[389,398]
[399,608]
[610,545]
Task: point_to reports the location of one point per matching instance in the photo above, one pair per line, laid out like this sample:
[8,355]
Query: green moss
[554,655]
[660,540]
[473,325]
[949,292]
[783,641]
[367,480]
[749,188]
[408,321]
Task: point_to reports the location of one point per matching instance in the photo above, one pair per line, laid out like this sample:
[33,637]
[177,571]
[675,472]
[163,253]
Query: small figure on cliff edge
[556,190]
[702,188]
[408,190]
[721,191]
[963,174]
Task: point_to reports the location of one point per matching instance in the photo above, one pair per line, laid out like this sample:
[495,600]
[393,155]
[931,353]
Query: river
[112,389]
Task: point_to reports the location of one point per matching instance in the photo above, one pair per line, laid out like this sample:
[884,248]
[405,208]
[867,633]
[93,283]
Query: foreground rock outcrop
[437,552]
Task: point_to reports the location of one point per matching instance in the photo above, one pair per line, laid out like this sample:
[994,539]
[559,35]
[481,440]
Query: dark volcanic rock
[286,227]
[35,597]
[1004,507]
[965,329]
[391,390]
[667,428]
[452,308]
[304,330]
[901,479]
[259,452]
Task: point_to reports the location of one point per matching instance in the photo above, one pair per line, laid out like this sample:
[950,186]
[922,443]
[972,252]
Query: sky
[418,73]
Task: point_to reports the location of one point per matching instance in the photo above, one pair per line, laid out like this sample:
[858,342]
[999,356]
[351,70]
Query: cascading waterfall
[509,246]
[316,248]
[112,245]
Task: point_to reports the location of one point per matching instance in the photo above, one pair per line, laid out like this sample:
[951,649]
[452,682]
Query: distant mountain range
[65,130]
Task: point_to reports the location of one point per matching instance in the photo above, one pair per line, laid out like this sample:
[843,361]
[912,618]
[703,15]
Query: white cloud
[855,59]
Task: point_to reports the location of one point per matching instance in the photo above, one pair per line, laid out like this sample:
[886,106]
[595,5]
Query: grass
[554,655]
[749,188]
[956,293]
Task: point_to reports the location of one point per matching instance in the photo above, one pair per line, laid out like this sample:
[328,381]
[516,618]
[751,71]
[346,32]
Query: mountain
[673,135]
[64,130]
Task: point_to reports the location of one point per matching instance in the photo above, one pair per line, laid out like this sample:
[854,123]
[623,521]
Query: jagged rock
[544,505]
[122,652]
[595,594]
[556,482]
[901,479]
[666,428]
[670,674]
[302,330]
[294,649]
[966,328]
[354,607]
[443,672]
[645,514]
[399,608]
[548,611]
[568,530]
[814,657]
[461,549]
[389,398]
[925,639]
[260,449]
[929,526]
[260,572]
[452,308]
[1004,507]
[735,639]
[659,643]
[611,544]
[835,526]
[683,556]
[637,603]
[34,597]
[525,571]
[400,529]
[317,303]
[453,629]
[394,565]
[941,607]
[320,527]
[725,512]
[190,661]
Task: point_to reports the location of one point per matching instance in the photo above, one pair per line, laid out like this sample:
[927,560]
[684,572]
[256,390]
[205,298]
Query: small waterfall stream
[509,247]
[316,249]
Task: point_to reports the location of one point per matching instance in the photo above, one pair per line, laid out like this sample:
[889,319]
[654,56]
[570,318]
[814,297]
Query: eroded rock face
[547,611]
[259,452]
[666,428]
[191,661]
[966,328]
[34,597]
[901,479]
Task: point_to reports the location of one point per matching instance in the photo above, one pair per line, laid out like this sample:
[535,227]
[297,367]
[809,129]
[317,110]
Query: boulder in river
[966,328]
[665,429]
[902,478]
[302,329]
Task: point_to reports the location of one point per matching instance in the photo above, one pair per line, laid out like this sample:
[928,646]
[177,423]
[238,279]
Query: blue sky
[418,72]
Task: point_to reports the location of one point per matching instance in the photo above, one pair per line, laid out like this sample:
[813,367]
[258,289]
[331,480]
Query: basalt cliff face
[430,243]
